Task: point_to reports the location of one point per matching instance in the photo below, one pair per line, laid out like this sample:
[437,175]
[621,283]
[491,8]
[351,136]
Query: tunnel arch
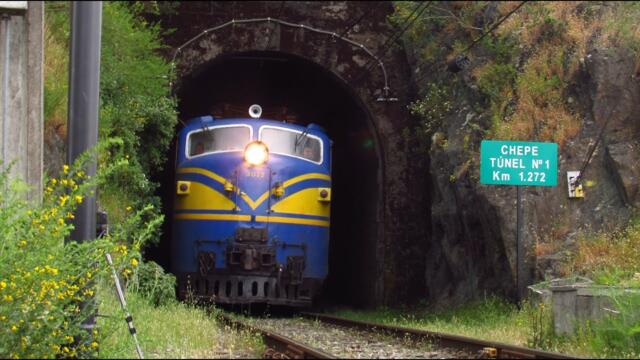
[303,91]
[402,225]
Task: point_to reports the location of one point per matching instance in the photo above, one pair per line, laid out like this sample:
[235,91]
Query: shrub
[618,334]
[432,107]
[152,283]
[44,279]
[134,95]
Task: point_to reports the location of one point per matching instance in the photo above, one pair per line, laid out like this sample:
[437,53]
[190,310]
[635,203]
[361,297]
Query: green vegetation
[137,110]
[43,280]
[607,258]
[169,331]
[134,95]
[523,69]
[491,319]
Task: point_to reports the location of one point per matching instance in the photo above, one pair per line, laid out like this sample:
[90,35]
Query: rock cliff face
[472,248]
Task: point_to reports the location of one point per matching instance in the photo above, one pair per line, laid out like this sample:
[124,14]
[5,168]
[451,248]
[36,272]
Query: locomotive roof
[207,120]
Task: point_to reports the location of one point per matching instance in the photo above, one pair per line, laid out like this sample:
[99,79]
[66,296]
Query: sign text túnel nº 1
[518,163]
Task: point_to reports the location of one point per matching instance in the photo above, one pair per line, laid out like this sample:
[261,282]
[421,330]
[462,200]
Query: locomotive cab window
[292,143]
[218,139]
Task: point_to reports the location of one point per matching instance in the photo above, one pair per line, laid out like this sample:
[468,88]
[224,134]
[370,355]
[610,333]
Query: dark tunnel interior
[302,92]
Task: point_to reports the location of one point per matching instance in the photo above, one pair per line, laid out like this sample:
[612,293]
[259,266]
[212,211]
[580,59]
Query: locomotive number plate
[256,174]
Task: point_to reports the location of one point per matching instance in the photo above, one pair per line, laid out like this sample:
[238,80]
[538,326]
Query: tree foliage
[135,105]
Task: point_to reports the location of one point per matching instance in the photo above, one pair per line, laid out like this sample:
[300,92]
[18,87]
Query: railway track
[278,346]
[303,337]
[479,348]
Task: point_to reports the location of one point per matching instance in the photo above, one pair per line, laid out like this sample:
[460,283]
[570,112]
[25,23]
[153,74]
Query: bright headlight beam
[256,153]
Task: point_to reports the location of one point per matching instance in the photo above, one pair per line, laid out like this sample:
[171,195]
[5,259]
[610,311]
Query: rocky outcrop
[615,94]
[472,249]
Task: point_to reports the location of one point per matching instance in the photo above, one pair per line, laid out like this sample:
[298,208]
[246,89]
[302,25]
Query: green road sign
[518,163]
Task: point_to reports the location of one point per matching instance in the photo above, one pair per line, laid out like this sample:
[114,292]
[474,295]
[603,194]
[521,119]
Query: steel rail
[490,349]
[279,346]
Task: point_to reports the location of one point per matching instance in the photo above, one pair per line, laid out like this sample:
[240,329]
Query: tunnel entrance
[300,91]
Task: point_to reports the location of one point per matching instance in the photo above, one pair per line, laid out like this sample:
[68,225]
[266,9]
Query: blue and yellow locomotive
[252,208]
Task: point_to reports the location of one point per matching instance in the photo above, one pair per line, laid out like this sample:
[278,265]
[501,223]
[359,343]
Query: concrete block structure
[21,91]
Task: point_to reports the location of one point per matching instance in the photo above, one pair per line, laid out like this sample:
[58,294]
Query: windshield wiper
[301,137]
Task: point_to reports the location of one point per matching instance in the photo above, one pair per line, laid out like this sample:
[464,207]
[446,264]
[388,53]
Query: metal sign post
[519,163]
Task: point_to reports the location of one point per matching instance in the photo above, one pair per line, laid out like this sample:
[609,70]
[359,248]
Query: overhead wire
[592,150]
[473,43]
[362,17]
[384,48]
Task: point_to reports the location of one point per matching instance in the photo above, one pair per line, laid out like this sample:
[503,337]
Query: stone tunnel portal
[302,90]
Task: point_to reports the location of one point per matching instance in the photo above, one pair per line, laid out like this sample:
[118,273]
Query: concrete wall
[21,93]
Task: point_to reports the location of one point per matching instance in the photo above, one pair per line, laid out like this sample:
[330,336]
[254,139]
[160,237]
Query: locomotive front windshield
[292,143]
[229,138]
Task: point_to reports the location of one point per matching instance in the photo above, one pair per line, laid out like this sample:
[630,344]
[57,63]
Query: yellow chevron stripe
[303,202]
[304,177]
[286,220]
[204,172]
[203,197]
[212,217]
[265,195]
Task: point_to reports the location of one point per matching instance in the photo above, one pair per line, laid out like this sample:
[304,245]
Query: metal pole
[519,247]
[84,91]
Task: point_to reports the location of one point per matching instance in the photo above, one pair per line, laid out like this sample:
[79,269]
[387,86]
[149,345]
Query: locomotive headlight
[256,153]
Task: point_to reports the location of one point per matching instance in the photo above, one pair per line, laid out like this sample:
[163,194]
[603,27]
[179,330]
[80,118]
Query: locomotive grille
[206,262]
[295,269]
[251,235]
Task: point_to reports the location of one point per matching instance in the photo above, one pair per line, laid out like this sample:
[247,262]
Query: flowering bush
[46,281]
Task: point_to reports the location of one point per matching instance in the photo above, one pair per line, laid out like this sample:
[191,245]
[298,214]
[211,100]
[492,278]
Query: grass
[176,330]
[490,319]
[609,258]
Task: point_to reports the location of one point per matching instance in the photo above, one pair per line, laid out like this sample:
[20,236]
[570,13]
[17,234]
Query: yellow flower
[3,284]
[94,344]
[65,168]
[61,221]
[78,198]
[63,199]
[8,298]
[134,262]
[54,181]
[41,227]
[128,208]
[70,216]
[65,349]
[14,328]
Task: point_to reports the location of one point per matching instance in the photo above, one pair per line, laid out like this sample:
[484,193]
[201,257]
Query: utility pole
[84,92]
